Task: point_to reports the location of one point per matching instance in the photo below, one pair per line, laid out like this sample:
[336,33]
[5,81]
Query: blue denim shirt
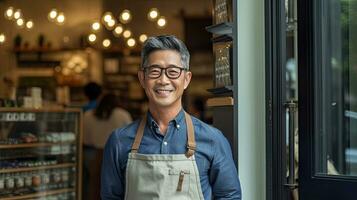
[218,174]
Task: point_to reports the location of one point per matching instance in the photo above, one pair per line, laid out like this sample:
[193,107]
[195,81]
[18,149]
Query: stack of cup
[36,94]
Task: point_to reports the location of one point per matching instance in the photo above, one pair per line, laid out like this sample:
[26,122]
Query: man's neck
[164,115]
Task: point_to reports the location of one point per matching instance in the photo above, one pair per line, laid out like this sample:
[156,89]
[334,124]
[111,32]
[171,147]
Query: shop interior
[50,50]
[60,46]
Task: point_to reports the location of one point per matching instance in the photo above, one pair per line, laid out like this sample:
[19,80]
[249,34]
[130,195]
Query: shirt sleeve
[223,174]
[112,186]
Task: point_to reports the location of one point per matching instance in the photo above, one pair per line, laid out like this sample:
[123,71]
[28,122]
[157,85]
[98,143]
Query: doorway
[312,65]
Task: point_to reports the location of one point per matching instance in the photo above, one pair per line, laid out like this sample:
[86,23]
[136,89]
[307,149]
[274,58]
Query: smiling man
[168,154]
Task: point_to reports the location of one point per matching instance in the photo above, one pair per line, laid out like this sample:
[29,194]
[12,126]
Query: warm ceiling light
[143,38]
[9,13]
[92,38]
[111,23]
[17,14]
[66,71]
[29,24]
[96,26]
[78,69]
[131,42]
[161,22]
[60,18]
[52,14]
[106,43]
[153,14]
[125,16]
[20,22]
[108,16]
[118,30]
[2,38]
[127,33]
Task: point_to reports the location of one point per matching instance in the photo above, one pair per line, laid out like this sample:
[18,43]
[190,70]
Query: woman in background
[98,124]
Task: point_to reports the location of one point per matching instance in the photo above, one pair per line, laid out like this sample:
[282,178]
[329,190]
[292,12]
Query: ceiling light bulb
[92,38]
[52,14]
[143,38]
[153,14]
[127,33]
[60,18]
[106,43]
[17,14]
[131,42]
[161,22]
[118,30]
[29,24]
[125,16]
[108,16]
[111,23]
[9,13]
[2,38]
[20,22]
[78,69]
[96,26]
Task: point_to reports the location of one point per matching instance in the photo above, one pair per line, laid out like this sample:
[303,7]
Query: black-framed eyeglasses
[154,72]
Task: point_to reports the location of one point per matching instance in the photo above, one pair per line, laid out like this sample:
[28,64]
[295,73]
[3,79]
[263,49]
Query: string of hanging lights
[117,27]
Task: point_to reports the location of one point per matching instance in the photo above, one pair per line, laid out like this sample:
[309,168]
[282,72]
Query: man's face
[163,91]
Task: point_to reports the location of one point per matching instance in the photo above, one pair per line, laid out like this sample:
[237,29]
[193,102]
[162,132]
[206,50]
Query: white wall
[251,99]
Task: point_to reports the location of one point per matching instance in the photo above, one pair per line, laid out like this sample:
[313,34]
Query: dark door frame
[313,186]
[275,48]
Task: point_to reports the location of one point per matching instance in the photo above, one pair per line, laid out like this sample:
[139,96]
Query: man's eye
[154,71]
[173,72]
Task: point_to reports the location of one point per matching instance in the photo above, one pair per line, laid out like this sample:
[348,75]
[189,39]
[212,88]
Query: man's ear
[141,77]
[188,76]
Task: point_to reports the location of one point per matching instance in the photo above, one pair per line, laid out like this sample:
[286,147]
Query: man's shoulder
[125,131]
[205,130]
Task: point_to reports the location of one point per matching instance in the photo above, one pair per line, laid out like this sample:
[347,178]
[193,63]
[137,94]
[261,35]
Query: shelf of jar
[40,194]
[24,169]
[31,145]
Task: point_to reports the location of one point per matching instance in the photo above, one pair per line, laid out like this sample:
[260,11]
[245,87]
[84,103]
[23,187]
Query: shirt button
[178,126]
[165,143]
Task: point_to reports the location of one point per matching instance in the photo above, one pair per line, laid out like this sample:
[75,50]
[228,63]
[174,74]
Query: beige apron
[163,176]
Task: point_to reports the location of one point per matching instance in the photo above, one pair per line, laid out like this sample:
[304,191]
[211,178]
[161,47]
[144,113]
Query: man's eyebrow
[157,65]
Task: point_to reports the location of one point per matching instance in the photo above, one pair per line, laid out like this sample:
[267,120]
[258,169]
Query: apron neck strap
[191,144]
[139,135]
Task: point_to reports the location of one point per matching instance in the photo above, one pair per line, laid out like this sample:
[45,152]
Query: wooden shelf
[220,101]
[29,145]
[44,50]
[224,28]
[24,169]
[39,194]
[222,90]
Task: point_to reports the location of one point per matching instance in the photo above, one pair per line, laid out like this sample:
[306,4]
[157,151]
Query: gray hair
[165,42]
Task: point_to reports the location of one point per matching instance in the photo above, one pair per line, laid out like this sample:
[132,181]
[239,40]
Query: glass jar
[9,182]
[28,180]
[19,181]
[36,180]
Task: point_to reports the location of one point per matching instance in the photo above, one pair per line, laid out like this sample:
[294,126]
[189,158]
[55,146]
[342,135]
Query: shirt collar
[176,121]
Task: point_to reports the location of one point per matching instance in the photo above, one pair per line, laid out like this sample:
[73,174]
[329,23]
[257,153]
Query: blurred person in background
[92,90]
[97,126]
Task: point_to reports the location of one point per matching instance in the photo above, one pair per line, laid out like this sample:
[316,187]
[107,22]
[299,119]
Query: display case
[40,153]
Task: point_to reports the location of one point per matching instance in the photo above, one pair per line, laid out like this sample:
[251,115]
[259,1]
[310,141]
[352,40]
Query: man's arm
[223,174]
[112,186]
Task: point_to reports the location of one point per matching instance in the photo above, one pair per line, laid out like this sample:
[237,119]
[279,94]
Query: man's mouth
[163,92]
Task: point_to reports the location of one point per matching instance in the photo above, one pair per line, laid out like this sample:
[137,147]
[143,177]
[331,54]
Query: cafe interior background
[59,46]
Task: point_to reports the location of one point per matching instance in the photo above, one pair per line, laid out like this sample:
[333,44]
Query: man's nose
[163,77]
